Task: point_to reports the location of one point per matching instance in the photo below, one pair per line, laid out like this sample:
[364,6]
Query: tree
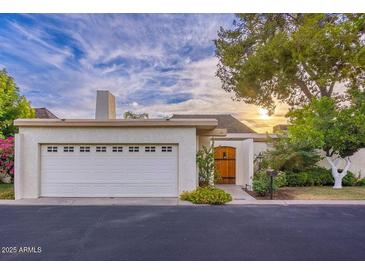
[291,58]
[338,129]
[288,156]
[132,115]
[12,105]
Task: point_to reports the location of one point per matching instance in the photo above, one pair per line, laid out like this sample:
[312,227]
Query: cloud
[155,63]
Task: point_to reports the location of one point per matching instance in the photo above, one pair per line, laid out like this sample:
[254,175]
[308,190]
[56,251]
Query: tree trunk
[338,176]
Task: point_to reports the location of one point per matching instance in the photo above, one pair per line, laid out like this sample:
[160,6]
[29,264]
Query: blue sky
[155,63]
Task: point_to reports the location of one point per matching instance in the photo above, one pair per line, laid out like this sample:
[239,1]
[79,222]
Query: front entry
[225,163]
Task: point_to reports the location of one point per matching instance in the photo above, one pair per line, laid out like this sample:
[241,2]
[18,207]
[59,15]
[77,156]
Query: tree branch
[303,86]
[330,89]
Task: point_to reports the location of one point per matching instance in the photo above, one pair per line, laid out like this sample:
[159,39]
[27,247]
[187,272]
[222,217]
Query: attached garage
[108,157]
[115,170]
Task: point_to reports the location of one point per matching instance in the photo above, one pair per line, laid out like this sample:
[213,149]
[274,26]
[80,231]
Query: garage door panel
[109,174]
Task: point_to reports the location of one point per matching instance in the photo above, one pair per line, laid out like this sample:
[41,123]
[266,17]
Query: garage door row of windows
[107,148]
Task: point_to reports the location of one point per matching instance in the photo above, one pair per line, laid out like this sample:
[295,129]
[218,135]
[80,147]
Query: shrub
[350,179]
[316,176]
[7,156]
[7,194]
[207,195]
[319,176]
[206,165]
[361,182]
[261,182]
[286,156]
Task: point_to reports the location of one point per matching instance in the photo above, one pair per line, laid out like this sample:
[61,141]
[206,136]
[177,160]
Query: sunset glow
[264,113]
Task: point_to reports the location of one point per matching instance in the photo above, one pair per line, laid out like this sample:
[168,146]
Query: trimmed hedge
[207,195]
[319,176]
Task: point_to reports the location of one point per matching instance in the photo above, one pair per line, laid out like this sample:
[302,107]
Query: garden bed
[6,191]
[316,193]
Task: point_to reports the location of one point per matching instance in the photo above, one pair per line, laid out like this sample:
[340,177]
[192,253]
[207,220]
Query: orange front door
[225,163]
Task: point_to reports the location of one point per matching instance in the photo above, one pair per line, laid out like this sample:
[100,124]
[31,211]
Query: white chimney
[105,105]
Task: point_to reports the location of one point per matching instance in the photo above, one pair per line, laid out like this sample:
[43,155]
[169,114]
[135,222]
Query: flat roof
[205,124]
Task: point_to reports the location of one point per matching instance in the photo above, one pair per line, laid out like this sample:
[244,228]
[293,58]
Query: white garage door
[109,170]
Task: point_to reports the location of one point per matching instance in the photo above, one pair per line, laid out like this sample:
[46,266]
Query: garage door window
[51,149]
[166,149]
[117,149]
[84,149]
[133,149]
[100,149]
[68,149]
[150,149]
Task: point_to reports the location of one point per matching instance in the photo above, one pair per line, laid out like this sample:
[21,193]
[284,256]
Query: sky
[155,63]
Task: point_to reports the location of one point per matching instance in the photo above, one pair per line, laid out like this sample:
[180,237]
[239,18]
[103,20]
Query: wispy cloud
[155,63]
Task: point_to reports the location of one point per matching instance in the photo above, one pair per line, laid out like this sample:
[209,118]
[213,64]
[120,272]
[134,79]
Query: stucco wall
[30,138]
[357,163]
[259,147]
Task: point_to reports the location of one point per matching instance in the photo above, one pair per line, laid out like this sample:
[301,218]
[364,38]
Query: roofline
[197,123]
[259,137]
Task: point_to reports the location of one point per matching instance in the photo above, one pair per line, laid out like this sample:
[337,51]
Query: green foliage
[350,179]
[328,125]
[317,176]
[361,182]
[207,195]
[6,191]
[206,165]
[133,115]
[290,57]
[261,182]
[288,156]
[12,105]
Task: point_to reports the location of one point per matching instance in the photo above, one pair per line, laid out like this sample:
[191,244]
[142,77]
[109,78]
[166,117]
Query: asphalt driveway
[182,233]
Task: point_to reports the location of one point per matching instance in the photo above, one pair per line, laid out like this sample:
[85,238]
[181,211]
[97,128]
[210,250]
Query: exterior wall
[357,163]
[259,147]
[204,141]
[247,155]
[29,140]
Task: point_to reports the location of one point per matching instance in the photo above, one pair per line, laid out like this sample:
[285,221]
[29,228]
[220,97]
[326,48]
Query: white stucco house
[109,157]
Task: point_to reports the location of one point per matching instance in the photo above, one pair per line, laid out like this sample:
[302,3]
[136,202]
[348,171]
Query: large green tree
[336,128]
[291,58]
[12,105]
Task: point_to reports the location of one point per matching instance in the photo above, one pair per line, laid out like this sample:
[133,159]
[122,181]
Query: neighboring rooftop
[224,121]
[280,127]
[44,113]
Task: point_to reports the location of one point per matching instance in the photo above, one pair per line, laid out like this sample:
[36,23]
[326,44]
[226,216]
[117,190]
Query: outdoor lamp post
[271,173]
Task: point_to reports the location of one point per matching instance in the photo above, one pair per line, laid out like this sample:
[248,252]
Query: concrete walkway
[98,201]
[236,192]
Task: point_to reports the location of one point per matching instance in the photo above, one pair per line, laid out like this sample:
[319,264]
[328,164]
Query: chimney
[105,105]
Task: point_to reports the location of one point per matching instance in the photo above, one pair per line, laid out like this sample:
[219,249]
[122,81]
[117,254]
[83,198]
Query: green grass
[323,193]
[6,191]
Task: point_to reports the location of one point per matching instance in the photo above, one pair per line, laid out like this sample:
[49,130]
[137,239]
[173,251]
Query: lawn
[318,193]
[6,191]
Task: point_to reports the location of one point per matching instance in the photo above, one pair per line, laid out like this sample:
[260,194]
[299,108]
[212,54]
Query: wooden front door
[225,163]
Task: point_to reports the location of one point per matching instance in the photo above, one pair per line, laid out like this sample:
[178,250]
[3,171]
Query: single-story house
[109,157]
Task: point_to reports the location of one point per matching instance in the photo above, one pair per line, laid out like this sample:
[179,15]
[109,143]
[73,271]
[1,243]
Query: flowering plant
[7,156]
